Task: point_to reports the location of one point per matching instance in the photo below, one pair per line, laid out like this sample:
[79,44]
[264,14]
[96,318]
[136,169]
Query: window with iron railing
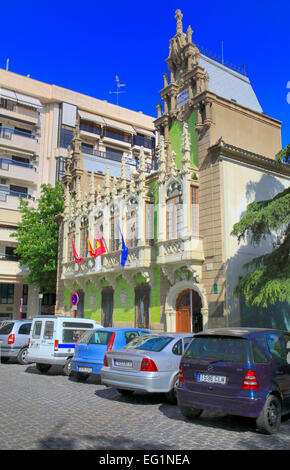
[119,135]
[7,132]
[143,141]
[91,127]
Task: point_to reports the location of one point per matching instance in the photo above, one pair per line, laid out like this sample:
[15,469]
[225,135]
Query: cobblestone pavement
[52,411]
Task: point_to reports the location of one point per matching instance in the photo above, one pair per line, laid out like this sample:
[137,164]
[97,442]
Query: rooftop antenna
[7,64]
[118,88]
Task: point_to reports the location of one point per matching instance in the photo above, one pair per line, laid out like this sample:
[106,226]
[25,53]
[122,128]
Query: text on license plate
[213,379]
[119,363]
[85,369]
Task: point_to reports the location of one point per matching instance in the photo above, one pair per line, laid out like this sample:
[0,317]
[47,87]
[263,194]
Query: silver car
[14,337]
[148,363]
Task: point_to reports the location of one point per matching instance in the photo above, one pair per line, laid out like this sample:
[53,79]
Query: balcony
[180,250]
[14,111]
[18,139]
[139,258]
[9,199]
[18,170]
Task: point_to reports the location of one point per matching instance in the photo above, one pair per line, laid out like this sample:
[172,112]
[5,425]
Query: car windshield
[217,349]
[6,328]
[96,337]
[149,343]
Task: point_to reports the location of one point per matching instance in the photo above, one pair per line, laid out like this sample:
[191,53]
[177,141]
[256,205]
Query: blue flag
[125,250]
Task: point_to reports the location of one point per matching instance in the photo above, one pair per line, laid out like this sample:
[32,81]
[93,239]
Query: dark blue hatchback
[92,346]
[242,371]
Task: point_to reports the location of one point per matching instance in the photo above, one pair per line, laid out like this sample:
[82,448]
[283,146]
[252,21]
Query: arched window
[174,211]
[71,235]
[114,229]
[132,223]
[84,234]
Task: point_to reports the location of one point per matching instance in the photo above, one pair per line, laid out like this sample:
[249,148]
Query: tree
[37,235]
[268,278]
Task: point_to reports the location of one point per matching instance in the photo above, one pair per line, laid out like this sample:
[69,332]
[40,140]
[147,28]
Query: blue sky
[83,45]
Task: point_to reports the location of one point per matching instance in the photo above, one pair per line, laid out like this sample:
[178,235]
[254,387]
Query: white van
[52,340]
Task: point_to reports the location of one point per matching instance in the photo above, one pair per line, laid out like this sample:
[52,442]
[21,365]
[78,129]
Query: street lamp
[40,297]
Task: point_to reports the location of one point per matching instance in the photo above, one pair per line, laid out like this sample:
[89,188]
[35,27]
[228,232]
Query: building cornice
[245,156]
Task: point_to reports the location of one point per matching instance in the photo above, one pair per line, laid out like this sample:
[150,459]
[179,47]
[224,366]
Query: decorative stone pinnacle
[178,17]
[189,35]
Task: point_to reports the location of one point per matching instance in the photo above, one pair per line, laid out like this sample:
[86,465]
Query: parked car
[14,337]
[150,364]
[93,345]
[242,371]
[52,340]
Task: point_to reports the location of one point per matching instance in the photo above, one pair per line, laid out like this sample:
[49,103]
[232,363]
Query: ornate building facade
[215,154]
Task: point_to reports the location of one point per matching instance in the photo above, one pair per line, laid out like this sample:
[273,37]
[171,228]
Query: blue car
[92,346]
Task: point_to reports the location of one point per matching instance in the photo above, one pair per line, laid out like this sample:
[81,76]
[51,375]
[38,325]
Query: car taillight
[11,338]
[28,343]
[148,365]
[250,381]
[181,374]
[56,345]
[106,364]
[111,342]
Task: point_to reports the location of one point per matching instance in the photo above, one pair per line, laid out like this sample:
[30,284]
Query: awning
[19,98]
[8,94]
[28,100]
[145,132]
[120,126]
[91,117]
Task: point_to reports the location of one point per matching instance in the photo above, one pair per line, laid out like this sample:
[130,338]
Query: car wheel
[190,412]
[81,376]
[4,359]
[125,393]
[67,368]
[269,419]
[43,367]
[172,396]
[22,356]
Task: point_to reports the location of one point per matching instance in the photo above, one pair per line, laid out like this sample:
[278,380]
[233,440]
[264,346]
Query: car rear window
[73,330]
[216,348]
[6,328]
[149,343]
[96,337]
[36,330]
[130,335]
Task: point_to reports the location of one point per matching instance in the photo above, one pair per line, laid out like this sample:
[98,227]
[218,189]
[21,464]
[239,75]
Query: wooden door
[183,312]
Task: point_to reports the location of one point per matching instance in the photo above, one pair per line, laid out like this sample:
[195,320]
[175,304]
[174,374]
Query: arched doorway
[188,312]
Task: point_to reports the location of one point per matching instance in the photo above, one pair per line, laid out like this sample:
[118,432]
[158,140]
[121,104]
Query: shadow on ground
[58,439]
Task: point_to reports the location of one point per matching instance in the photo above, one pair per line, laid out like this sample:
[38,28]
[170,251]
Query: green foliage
[268,278]
[283,153]
[37,235]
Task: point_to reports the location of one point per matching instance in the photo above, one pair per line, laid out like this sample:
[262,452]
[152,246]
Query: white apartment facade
[37,122]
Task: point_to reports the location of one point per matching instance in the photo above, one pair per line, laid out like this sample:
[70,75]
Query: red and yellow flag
[100,248]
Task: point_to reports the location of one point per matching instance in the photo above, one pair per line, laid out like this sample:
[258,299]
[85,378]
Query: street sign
[182,97]
[74,299]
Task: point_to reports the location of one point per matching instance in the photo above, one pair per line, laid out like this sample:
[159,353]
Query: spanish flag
[100,248]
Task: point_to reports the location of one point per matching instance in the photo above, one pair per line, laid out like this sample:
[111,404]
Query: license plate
[85,369]
[120,363]
[212,379]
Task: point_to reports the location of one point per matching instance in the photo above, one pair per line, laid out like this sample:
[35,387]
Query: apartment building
[37,123]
